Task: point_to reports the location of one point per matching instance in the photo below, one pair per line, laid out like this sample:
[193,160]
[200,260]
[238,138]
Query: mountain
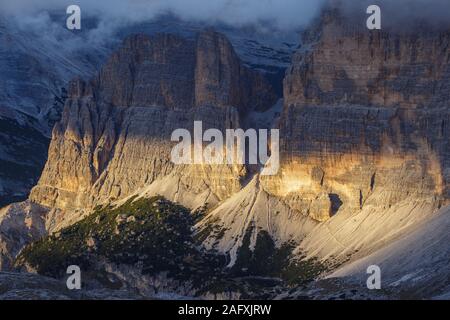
[364,148]
[264,49]
[364,128]
[38,60]
[116,121]
[367,121]
[146,90]
[35,69]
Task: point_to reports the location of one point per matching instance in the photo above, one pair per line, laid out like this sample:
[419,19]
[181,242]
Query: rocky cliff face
[34,70]
[114,136]
[36,67]
[364,143]
[20,224]
[361,134]
[343,62]
[364,139]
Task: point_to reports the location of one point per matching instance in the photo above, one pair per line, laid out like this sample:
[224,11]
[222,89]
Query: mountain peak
[171,71]
[345,63]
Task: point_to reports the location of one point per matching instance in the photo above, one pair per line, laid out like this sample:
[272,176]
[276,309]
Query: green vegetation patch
[153,233]
[268,260]
[157,235]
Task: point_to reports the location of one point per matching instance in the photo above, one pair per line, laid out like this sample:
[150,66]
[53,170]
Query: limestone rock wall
[114,136]
[364,137]
[20,224]
[344,62]
[366,115]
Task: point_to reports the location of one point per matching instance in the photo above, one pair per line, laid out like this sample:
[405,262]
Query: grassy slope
[154,233]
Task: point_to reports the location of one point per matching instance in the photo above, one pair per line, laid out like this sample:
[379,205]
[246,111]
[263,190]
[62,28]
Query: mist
[402,15]
[264,15]
[281,14]
[284,15]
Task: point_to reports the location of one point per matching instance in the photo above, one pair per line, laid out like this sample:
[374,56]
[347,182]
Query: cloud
[282,14]
[403,14]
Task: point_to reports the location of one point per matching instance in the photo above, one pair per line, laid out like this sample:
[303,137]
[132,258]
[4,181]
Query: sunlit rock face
[366,120]
[114,136]
[353,167]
